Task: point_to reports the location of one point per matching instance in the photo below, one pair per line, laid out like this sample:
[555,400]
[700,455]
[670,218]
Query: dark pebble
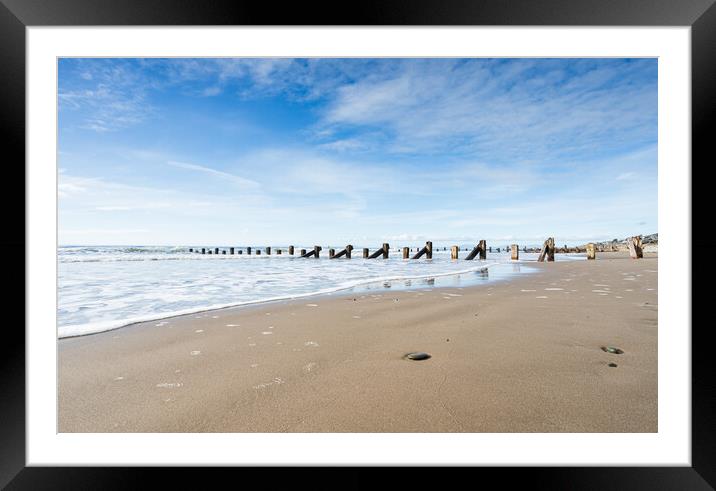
[613,365]
[417,356]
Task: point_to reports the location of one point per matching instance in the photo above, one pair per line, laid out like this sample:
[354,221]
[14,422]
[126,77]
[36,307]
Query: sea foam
[105,288]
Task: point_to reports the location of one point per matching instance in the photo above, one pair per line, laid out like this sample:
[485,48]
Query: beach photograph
[357,245]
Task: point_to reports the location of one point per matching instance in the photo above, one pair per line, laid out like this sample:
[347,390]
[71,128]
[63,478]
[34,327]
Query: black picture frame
[16,15]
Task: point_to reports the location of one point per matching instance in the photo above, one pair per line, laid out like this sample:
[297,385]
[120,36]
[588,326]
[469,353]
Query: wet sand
[522,355]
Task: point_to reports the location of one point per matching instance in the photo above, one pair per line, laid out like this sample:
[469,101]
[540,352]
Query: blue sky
[363,151]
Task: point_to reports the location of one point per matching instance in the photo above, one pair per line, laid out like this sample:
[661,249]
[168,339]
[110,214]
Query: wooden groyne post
[278,251]
[290,250]
[248,251]
[591,251]
[302,252]
[635,247]
[216,250]
[345,252]
[240,251]
[453,252]
[203,250]
[547,250]
[383,251]
[314,253]
[231,251]
[481,248]
[268,251]
[515,252]
[365,253]
[427,251]
[258,252]
[406,252]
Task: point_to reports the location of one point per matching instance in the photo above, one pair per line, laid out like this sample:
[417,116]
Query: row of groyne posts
[547,251]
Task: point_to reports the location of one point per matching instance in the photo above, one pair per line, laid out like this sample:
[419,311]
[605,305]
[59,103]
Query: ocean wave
[102,326]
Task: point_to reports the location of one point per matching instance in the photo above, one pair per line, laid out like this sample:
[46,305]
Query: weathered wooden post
[635,247]
[547,250]
[490,248]
[290,250]
[481,249]
[515,249]
[248,251]
[216,250]
[365,253]
[278,251]
[591,251]
[191,250]
[383,251]
[316,251]
[453,252]
[346,251]
[258,252]
[240,251]
[268,251]
[427,251]
[302,252]
[203,250]
[231,251]
[406,252]
[210,252]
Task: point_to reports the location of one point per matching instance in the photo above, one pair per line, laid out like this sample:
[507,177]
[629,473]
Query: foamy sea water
[103,288]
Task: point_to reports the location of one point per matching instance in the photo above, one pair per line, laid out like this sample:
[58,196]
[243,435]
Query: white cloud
[242,182]
[346,145]
[626,175]
[211,91]
[483,109]
[113,95]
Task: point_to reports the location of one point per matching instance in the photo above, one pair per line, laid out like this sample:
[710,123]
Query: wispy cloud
[242,182]
[111,96]
[506,109]
[626,175]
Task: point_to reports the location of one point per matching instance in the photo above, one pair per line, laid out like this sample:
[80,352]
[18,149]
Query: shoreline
[335,362]
[360,285]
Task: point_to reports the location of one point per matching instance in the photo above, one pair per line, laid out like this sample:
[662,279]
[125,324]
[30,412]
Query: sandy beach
[523,355]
